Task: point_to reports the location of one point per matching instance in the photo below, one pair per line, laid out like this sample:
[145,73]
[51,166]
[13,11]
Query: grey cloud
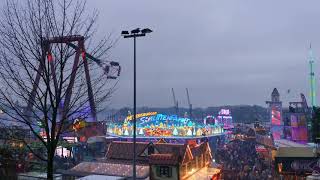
[225,52]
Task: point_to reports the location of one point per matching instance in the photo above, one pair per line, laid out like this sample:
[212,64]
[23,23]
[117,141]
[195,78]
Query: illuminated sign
[224,118]
[275,116]
[129,118]
[155,118]
[163,117]
[300,165]
[276,121]
[157,124]
[225,112]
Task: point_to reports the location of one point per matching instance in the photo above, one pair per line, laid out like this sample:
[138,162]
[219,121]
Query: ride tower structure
[111,70]
[311,60]
[275,109]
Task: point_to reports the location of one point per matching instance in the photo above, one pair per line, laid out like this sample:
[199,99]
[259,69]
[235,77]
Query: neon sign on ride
[157,124]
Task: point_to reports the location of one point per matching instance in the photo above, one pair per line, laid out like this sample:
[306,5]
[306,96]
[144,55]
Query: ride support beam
[72,79]
[90,92]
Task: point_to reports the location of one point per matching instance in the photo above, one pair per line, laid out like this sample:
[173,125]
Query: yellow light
[129,118]
[192,171]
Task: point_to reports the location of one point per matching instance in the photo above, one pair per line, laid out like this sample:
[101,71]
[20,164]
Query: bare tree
[39,74]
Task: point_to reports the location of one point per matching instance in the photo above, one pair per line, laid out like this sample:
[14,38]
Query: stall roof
[288,143]
[286,148]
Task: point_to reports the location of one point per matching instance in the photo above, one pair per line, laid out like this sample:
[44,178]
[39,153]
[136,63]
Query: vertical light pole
[134,34]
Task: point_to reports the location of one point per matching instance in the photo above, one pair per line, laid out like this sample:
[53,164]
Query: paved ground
[204,174]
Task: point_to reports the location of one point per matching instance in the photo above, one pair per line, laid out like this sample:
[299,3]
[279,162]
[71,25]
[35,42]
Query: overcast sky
[225,52]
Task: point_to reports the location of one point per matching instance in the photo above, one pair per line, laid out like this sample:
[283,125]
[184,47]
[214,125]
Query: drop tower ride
[312,78]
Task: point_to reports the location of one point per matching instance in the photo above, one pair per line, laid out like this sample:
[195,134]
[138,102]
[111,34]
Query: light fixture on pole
[134,34]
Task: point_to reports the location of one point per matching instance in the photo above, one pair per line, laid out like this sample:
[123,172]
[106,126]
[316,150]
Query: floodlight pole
[134,34]
[134,109]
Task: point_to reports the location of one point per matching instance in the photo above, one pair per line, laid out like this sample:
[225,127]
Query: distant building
[290,123]
[225,119]
[275,109]
[297,120]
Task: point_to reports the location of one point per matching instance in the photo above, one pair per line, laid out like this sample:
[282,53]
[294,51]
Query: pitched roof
[147,151]
[164,159]
[165,153]
[198,150]
[162,141]
[275,92]
[123,151]
[111,169]
[201,149]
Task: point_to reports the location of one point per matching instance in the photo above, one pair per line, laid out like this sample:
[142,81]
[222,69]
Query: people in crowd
[241,161]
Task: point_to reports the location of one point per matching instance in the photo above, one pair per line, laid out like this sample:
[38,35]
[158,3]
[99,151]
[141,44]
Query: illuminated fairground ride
[154,124]
[84,128]
[224,118]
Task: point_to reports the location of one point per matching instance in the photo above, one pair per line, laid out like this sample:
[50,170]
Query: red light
[83,53]
[49,56]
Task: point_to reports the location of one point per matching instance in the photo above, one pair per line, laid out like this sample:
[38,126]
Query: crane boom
[174,97]
[175,102]
[190,105]
[188,96]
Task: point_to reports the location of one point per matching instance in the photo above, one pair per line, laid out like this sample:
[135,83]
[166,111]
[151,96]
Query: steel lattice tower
[312,78]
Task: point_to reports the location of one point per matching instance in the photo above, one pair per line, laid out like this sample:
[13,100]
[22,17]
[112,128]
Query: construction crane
[175,103]
[190,105]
